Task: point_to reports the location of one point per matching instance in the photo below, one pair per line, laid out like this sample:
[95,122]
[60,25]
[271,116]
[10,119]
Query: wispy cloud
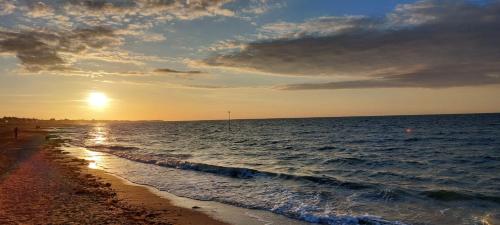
[426,44]
[263,6]
[179,9]
[7,7]
[38,9]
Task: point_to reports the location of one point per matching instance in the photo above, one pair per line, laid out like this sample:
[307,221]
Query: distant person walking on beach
[16,131]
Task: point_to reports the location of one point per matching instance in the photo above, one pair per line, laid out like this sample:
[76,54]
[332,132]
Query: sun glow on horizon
[97,100]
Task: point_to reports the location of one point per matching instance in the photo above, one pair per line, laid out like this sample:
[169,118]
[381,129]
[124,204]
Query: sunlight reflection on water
[93,165]
[99,136]
[94,159]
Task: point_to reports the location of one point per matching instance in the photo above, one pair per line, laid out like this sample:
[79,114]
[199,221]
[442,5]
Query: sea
[429,169]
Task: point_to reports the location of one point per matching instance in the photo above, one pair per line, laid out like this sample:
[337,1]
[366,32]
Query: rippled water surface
[401,169]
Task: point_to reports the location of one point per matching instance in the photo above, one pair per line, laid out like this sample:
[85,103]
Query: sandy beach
[42,185]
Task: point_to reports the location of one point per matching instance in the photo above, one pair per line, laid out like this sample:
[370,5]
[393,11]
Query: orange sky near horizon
[133,103]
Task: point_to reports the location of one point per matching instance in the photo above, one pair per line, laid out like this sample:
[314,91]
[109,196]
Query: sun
[97,100]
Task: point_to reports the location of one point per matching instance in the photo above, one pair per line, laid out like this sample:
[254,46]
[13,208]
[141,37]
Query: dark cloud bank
[431,44]
[43,50]
[172,71]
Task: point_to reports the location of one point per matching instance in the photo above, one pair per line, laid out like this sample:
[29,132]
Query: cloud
[322,26]
[92,30]
[262,6]
[6,7]
[443,77]
[159,9]
[45,50]
[59,35]
[426,44]
[224,45]
[189,74]
[33,51]
[166,70]
[39,9]
[111,13]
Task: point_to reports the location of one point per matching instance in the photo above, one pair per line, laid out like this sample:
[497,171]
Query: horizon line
[264,118]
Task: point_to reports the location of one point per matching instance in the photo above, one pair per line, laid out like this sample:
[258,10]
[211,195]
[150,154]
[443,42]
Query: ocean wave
[413,139]
[387,194]
[113,147]
[247,173]
[326,148]
[345,160]
[449,195]
[387,174]
[286,208]
[343,219]
[172,161]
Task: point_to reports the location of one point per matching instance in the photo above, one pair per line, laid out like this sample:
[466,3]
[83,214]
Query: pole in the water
[229,119]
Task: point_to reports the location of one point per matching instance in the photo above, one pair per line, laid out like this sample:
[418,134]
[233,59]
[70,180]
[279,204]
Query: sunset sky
[197,59]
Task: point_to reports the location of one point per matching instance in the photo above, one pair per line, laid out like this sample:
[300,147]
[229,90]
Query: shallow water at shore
[412,169]
[223,212]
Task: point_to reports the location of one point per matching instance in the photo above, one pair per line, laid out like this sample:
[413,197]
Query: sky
[197,59]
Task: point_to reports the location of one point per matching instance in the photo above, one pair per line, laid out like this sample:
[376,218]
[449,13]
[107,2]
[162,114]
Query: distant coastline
[33,120]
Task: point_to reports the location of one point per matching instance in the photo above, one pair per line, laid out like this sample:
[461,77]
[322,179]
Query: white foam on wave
[191,184]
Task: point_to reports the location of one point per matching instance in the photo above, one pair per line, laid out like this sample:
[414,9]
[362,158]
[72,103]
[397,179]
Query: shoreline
[139,195]
[219,211]
[41,184]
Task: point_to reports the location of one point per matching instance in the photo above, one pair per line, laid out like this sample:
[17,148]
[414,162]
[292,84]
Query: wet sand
[42,185]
